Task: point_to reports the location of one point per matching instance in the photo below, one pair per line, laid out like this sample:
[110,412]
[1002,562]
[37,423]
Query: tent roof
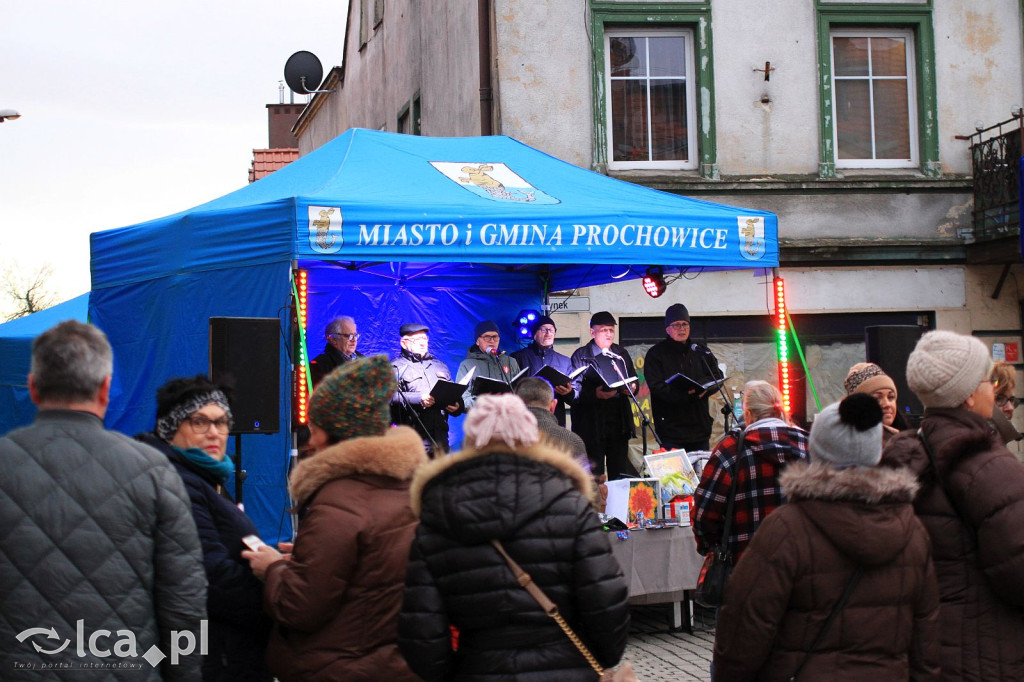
[16,336]
[375,197]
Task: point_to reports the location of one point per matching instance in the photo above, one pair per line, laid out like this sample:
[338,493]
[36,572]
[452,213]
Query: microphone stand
[501,370]
[644,422]
[726,412]
[411,411]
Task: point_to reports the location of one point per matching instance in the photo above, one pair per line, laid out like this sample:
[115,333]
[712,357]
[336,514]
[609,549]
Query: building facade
[845,119]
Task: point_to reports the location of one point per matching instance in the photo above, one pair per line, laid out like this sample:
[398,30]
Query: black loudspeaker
[245,352]
[889,347]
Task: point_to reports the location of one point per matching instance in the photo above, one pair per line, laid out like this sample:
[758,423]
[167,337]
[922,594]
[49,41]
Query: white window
[651,99]
[874,98]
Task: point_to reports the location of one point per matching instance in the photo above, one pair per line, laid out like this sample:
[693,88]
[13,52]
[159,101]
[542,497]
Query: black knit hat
[178,398]
[676,312]
[603,317]
[484,327]
[540,322]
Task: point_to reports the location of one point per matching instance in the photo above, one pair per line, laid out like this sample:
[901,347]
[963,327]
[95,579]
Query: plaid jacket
[768,445]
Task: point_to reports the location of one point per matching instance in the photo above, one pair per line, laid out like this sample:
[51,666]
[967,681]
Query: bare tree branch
[28,291]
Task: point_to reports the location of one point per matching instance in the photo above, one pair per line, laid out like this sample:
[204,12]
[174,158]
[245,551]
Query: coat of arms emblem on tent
[494,181]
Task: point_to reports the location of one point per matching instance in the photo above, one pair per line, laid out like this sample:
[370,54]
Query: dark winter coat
[416,376]
[679,416]
[981,581]
[799,563]
[96,527]
[494,366]
[593,418]
[238,627]
[327,362]
[536,503]
[535,358]
[336,601]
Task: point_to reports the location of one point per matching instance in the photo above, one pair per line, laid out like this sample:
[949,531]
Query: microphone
[495,351]
[608,353]
[700,349]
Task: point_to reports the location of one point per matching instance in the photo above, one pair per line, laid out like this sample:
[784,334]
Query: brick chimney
[281,118]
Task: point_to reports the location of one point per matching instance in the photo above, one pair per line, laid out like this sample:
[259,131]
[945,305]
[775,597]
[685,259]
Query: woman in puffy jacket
[972,503]
[845,517]
[535,500]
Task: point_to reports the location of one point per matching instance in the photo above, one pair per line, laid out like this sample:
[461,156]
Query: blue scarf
[220,470]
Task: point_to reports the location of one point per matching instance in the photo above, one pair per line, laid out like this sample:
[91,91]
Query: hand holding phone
[253,542]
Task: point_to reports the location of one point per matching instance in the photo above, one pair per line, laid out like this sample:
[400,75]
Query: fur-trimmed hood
[478,494]
[396,454]
[866,512]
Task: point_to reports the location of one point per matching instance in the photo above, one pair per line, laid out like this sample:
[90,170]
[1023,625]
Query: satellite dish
[303,73]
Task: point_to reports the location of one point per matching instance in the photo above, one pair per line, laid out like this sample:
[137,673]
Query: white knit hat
[945,368]
[500,418]
[848,433]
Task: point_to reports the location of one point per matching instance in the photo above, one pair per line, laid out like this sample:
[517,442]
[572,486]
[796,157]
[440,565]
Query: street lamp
[6,114]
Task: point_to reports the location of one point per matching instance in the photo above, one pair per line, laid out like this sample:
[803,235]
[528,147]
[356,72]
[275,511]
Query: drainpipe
[486,94]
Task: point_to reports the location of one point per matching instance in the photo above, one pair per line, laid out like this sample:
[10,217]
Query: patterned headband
[167,425]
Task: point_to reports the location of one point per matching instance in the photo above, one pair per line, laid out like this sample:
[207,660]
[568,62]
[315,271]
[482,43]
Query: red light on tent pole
[301,382]
[782,334]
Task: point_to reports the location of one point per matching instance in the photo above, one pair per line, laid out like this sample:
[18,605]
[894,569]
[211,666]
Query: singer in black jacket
[487,359]
[681,415]
[603,417]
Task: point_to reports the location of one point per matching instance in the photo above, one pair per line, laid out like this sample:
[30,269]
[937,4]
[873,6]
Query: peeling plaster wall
[543,68]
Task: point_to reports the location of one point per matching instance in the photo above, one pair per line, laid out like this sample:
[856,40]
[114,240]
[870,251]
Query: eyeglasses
[201,424]
[490,337]
[546,330]
[679,326]
[349,337]
[1003,399]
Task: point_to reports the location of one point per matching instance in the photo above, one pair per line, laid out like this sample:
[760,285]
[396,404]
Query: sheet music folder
[688,383]
[557,378]
[483,385]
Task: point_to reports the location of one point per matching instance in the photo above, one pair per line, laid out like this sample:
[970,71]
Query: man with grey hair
[540,399]
[342,337]
[101,565]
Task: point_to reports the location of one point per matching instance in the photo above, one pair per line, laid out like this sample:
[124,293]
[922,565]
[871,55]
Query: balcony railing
[995,157]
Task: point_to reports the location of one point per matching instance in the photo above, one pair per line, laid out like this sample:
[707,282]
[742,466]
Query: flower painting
[643,500]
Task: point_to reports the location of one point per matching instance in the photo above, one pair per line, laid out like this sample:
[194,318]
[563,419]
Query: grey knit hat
[848,433]
[945,368]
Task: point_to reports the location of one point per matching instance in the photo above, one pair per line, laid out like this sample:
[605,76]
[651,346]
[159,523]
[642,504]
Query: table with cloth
[661,566]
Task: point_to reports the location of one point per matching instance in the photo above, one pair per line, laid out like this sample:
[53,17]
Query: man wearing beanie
[681,416]
[541,353]
[603,416]
[485,357]
[972,504]
[848,528]
[418,372]
[335,599]
[869,378]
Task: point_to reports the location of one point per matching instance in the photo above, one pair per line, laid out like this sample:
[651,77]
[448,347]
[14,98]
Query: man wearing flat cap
[681,416]
[603,416]
[486,358]
[541,353]
[417,371]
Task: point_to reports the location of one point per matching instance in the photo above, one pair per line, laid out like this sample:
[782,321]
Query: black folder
[483,385]
[447,393]
[687,383]
[556,378]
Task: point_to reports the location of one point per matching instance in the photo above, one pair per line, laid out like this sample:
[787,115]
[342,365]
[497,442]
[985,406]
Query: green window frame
[695,16]
[918,20]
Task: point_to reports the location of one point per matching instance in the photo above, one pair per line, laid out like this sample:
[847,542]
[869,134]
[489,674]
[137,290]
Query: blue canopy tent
[16,336]
[390,228]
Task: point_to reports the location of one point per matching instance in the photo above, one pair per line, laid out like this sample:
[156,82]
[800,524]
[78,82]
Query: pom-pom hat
[945,368]
[848,433]
[355,399]
[500,420]
[867,377]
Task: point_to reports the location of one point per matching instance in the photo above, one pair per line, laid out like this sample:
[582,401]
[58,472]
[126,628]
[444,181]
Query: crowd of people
[862,549]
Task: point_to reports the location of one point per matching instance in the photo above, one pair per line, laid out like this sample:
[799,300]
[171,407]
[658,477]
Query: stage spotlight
[654,281]
[524,321]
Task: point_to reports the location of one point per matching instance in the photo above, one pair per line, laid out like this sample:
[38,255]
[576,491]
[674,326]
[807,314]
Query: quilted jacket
[796,569]
[981,581]
[535,502]
[94,528]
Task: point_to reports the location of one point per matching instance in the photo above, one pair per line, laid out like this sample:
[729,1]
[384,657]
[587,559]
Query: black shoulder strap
[972,533]
[854,579]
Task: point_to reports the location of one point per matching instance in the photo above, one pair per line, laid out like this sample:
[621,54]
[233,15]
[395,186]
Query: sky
[131,111]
